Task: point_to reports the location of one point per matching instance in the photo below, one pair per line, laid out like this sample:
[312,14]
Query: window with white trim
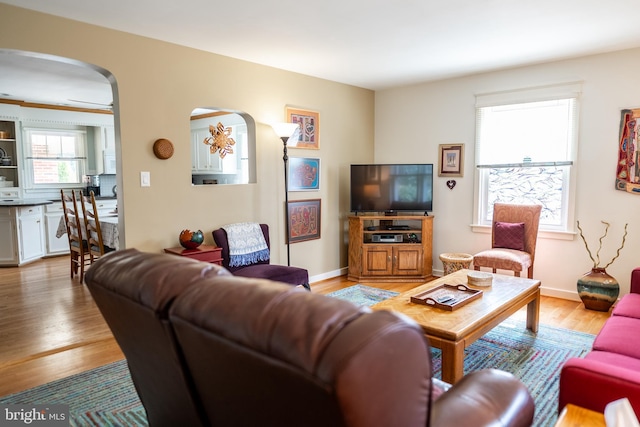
[526,146]
[54,158]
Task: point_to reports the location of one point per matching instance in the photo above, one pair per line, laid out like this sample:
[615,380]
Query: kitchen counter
[23,202]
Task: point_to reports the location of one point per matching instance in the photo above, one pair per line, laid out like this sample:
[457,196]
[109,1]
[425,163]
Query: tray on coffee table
[447,297]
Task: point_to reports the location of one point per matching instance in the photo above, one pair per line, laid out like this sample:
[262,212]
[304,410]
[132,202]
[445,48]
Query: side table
[204,253]
[575,416]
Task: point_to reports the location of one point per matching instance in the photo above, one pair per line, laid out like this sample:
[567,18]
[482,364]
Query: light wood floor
[50,327]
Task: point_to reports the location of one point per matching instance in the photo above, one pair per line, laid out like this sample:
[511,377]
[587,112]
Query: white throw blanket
[246,244]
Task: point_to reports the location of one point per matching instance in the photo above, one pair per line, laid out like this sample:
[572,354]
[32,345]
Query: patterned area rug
[536,359]
[363,295]
[106,397]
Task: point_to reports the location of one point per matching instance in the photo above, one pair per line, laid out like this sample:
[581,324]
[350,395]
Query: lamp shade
[285,130]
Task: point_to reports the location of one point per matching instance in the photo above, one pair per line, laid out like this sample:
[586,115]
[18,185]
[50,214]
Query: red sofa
[611,370]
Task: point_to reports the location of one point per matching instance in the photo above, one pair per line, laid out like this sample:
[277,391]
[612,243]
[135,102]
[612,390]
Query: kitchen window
[54,158]
[526,146]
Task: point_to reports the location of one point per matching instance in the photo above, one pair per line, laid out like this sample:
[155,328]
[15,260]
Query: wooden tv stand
[397,248]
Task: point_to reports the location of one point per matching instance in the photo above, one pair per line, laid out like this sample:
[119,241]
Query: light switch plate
[145,179]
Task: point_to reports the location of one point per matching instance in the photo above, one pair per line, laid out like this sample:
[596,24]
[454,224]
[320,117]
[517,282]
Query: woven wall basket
[163,148]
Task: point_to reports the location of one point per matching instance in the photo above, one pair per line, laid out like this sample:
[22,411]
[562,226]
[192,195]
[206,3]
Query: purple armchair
[262,269]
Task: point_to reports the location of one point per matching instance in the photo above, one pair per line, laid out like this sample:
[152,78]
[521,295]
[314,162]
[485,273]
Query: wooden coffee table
[453,331]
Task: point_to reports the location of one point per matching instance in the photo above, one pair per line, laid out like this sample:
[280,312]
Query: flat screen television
[392,188]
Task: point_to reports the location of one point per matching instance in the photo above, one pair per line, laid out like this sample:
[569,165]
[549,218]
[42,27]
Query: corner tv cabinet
[390,248]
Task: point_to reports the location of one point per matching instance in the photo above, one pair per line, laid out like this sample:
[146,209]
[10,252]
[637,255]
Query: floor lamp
[286,131]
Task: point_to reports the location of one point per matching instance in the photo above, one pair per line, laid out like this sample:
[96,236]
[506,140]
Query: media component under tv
[392,188]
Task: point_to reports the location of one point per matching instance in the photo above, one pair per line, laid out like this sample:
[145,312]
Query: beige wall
[443,112]
[158,84]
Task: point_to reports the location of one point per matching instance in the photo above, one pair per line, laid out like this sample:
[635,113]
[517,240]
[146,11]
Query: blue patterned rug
[534,358]
[363,295]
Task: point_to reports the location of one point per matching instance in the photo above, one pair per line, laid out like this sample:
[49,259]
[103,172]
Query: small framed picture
[304,174]
[304,220]
[309,121]
[450,161]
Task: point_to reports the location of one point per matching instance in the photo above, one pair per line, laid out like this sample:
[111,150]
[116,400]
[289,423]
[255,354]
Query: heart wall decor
[451,183]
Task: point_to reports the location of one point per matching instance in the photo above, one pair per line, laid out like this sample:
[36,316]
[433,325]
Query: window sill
[544,234]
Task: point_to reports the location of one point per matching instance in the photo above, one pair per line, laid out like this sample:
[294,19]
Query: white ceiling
[372,44]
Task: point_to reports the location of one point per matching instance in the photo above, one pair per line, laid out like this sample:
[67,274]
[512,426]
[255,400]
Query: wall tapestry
[304,174]
[628,168]
[309,121]
[304,220]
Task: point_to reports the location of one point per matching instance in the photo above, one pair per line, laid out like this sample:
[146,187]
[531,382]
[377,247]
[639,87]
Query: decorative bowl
[478,278]
[191,239]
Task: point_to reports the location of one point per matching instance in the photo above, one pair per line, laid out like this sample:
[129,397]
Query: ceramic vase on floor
[597,290]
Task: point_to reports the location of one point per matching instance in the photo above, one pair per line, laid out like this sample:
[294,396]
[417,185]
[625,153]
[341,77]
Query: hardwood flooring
[50,327]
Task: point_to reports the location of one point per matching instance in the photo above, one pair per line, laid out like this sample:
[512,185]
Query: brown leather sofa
[206,348]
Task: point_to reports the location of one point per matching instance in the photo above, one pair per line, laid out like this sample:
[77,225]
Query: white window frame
[572,90]
[79,132]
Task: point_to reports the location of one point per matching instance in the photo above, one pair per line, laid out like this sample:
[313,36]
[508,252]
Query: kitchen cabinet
[52,216]
[8,237]
[9,146]
[102,151]
[205,162]
[106,206]
[22,234]
[30,233]
[397,248]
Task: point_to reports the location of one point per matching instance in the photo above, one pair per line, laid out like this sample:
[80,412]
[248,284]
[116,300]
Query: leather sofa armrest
[485,398]
[593,384]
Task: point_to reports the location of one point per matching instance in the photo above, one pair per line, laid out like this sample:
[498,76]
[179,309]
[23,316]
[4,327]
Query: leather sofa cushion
[620,335]
[628,306]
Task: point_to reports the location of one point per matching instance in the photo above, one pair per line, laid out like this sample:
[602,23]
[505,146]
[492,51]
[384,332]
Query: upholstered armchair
[261,269]
[513,239]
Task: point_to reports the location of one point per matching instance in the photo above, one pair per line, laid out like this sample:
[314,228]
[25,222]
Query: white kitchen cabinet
[103,152]
[30,233]
[52,217]
[8,237]
[9,155]
[9,194]
[106,206]
[22,238]
[205,162]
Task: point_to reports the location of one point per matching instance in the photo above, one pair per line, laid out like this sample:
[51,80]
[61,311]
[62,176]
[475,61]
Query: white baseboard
[548,292]
[328,275]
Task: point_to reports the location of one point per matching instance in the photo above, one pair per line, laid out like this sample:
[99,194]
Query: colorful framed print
[309,121]
[450,160]
[304,174]
[304,220]
[628,167]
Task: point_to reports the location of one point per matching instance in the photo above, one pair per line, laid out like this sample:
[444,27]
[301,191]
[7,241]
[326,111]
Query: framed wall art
[304,220]
[450,160]
[304,174]
[628,167]
[309,122]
